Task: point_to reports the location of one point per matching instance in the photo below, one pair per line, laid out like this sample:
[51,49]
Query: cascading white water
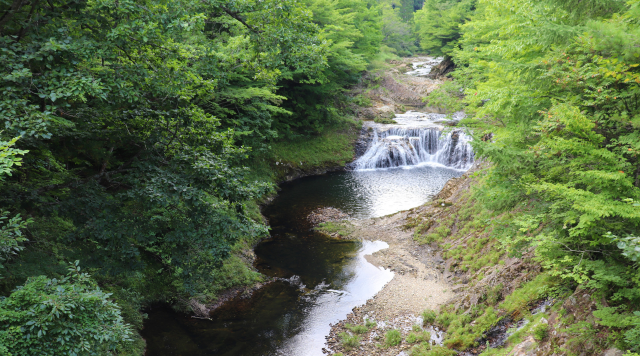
[401,146]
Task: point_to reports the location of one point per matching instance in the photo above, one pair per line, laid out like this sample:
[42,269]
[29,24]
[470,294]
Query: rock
[325,214]
[613,352]
[544,321]
[443,68]
[525,348]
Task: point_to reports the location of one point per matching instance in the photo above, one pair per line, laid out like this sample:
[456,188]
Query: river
[321,279]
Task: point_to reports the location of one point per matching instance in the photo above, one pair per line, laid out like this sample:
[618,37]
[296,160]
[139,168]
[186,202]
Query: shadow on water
[326,278]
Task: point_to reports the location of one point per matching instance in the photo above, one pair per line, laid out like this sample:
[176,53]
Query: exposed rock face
[291,173]
[363,143]
[442,69]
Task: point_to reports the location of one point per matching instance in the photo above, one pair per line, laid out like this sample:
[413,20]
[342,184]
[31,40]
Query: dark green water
[326,278]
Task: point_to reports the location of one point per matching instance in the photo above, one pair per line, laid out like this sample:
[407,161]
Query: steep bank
[286,161]
[457,283]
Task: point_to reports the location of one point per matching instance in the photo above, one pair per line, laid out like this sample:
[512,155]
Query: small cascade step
[405,146]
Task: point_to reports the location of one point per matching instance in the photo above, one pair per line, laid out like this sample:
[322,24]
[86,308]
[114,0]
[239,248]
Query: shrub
[384,120]
[425,349]
[370,323]
[443,320]
[632,336]
[461,334]
[349,341]
[70,316]
[358,329]
[540,332]
[428,316]
[418,335]
[392,338]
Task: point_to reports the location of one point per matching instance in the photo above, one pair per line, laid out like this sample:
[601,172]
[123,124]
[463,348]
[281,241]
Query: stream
[320,280]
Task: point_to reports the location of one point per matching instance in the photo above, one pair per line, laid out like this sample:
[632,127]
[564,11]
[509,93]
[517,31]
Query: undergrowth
[349,341]
[418,335]
[425,349]
[343,229]
[476,236]
[392,338]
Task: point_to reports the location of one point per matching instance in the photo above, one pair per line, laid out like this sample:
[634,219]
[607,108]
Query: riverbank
[418,284]
[456,282]
[422,280]
[286,161]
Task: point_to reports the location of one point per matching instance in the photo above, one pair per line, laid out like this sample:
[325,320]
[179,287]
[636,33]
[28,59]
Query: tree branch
[236,16]
[15,6]
[123,168]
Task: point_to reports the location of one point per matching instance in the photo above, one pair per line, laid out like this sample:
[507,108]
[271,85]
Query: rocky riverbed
[422,281]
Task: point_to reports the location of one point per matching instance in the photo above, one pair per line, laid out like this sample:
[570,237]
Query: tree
[437,24]
[397,32]
[556,85]
[352,31]
[70,316]
[10,228]
[137,116]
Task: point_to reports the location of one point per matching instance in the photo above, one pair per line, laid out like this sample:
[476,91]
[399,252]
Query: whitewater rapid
[417,139]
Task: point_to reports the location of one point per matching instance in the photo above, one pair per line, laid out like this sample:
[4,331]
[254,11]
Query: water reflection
[331,305]
[325,278]
[363,194]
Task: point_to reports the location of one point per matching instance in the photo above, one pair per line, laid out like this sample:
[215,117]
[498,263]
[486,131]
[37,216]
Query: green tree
[407,7]
[352,31]
[437,24]
[70,316]
[137,116]
[556,86]
[10,228]
[397,32]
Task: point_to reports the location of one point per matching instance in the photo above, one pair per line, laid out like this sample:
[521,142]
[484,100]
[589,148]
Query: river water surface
[321,279]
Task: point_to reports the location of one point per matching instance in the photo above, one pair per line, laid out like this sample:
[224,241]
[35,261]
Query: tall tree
[437,24]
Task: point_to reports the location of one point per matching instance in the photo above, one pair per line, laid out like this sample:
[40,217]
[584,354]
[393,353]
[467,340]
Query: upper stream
[319,279]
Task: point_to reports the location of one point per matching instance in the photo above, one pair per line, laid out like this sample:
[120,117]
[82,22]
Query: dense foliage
[128,127]
[554,91]
[71,316]
[116,101]
[437,24]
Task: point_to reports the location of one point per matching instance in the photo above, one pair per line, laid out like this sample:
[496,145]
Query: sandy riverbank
[421,281]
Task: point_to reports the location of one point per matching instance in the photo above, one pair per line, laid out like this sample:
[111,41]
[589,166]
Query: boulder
[613,352]
[525,348]
[443,68]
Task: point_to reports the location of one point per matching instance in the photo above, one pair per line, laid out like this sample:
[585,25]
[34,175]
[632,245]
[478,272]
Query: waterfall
[393,146]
